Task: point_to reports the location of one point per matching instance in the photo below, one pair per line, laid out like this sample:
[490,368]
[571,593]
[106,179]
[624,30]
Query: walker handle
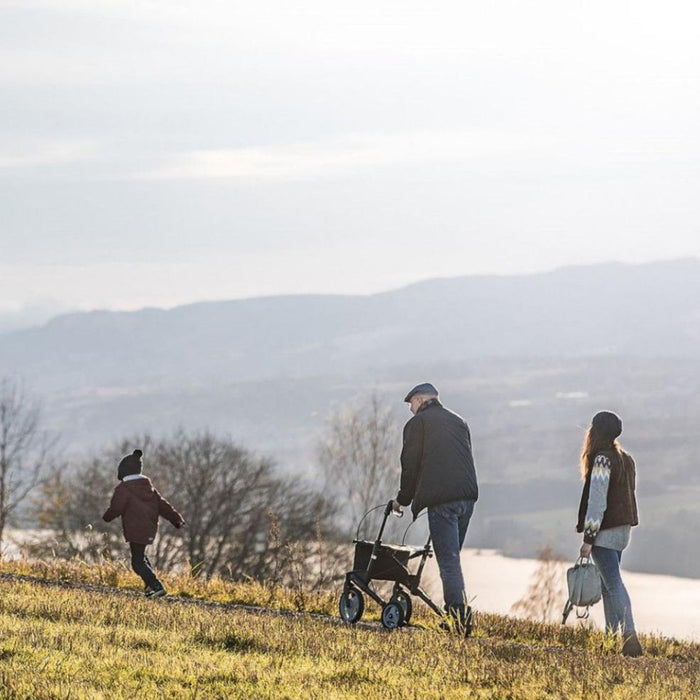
[387,513]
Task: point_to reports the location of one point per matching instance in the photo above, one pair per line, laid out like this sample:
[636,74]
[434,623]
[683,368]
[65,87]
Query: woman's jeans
[448,524]
[616,601]
[141,566]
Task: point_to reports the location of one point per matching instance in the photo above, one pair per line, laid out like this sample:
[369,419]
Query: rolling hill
[526,359]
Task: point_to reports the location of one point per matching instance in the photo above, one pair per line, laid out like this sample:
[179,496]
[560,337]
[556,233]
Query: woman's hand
[585,552]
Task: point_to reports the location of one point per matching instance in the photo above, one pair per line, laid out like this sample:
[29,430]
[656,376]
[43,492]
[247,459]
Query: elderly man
[437,473]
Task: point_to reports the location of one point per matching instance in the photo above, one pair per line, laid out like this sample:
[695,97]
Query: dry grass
[118,574]
[68,643]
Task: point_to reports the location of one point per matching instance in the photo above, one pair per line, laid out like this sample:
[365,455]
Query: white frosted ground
[667,605]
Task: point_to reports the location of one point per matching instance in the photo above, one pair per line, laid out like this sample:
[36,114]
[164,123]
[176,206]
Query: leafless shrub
[546,594]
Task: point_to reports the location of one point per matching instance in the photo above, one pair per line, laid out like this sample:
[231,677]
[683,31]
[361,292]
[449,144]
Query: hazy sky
[154,152]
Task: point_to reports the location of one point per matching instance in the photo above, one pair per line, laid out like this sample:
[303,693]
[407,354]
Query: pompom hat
[131,464]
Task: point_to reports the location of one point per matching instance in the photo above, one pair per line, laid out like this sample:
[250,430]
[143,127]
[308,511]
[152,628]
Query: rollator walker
[375,560]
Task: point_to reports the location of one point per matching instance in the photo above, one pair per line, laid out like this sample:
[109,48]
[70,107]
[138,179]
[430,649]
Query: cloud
[32,152]
[342,155]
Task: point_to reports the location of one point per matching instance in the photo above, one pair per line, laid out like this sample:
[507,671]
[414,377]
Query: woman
[607,512]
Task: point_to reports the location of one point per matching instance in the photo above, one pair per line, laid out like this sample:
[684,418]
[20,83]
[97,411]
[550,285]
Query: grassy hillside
[66,642]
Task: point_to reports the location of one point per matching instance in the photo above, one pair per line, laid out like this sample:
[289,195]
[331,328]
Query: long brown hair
[594,444]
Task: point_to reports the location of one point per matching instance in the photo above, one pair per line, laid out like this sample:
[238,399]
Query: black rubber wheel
[351,606]
[392,616]
[404,600]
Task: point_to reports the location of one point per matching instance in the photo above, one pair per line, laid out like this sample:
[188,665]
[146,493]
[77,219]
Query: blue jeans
[448,524]
[616,601]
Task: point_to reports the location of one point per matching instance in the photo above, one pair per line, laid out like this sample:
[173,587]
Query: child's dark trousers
[141,566]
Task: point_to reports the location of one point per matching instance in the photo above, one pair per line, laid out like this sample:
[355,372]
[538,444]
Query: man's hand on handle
[585,552]
[396,507]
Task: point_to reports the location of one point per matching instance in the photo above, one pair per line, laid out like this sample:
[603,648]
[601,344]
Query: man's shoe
[631,646]
[147,590]
[460,620]
[157,593]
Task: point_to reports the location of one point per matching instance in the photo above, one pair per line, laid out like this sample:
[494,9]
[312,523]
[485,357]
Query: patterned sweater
[617,538]
[608,501]
[597,497]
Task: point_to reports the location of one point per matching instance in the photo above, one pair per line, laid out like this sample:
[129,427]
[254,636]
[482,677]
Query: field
[89,634]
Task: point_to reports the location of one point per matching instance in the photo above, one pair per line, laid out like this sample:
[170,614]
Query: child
[140,504]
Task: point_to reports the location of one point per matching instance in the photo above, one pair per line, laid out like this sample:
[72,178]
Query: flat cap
[425,388]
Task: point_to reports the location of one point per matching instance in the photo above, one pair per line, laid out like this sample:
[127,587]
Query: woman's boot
[631,646]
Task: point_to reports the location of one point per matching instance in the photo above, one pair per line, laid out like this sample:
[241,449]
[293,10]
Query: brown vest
[621,508]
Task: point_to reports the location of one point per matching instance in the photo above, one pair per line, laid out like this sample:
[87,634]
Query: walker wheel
[405,602]
[392,616]
[352,605]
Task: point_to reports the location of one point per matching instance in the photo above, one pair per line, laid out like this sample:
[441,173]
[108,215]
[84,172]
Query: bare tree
[218,486]
[359,456]
[24,448]
[243,519]
[545,595]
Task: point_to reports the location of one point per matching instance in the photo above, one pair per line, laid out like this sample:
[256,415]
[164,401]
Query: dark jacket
[437,465]
[621,508]
[140,504]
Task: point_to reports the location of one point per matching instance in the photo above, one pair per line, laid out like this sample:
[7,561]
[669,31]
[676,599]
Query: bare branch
[25,449]
[359,456]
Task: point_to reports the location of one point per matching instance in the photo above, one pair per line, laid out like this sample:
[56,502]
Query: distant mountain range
[526,359]
[612,309]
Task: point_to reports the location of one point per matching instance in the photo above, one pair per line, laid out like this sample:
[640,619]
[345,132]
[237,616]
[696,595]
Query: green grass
[69,643]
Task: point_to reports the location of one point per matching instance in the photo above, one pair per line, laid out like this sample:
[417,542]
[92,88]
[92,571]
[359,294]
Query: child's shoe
[157,593]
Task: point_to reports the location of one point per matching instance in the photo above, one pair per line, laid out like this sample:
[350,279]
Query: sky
[158,152]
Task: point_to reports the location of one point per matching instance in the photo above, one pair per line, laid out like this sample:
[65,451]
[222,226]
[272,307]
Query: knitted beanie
[131,464]
[607,424]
